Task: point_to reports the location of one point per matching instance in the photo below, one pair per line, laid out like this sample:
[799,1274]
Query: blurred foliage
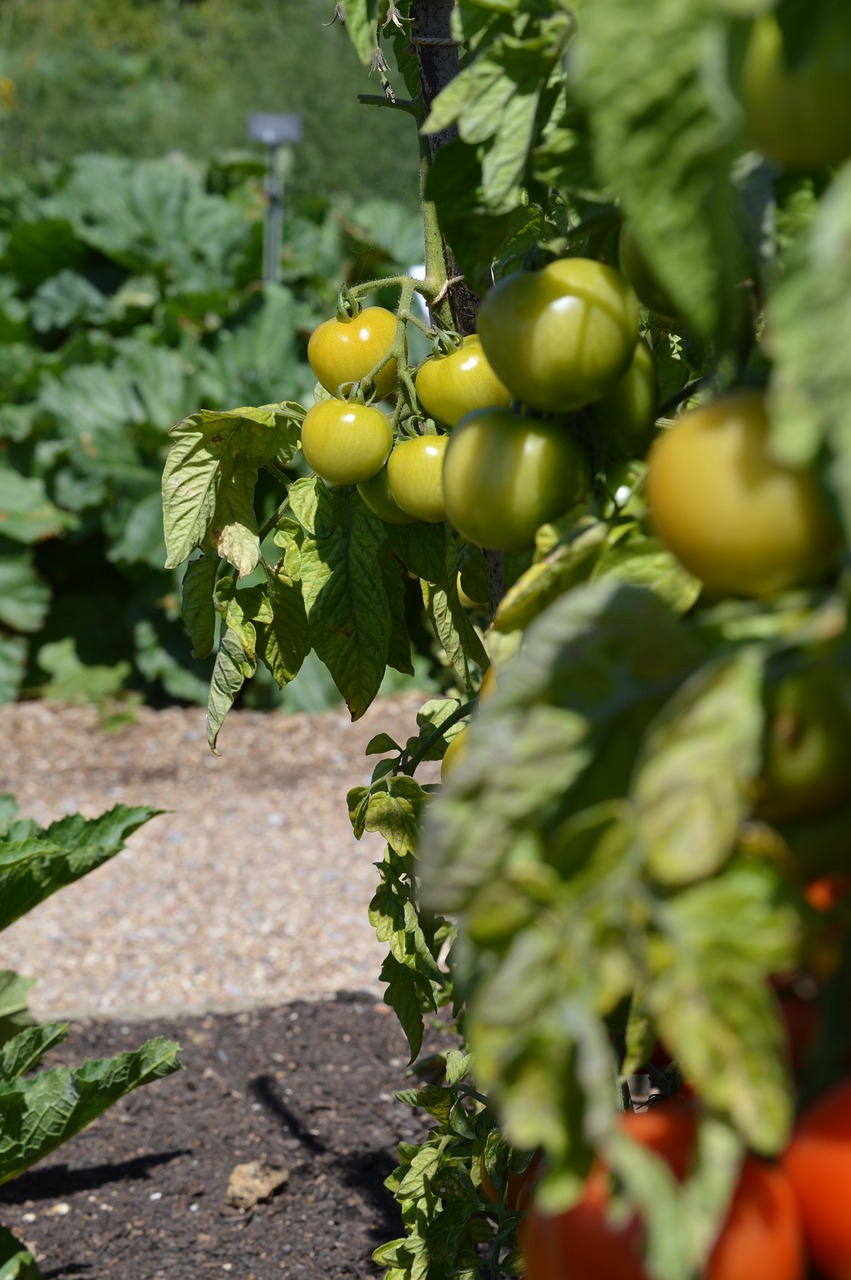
[129,299]
[145,77]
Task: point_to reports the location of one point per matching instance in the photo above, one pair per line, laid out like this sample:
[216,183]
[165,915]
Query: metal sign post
[275,131]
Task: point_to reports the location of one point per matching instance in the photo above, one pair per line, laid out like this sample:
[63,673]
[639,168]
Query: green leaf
[13,661]
[458,636]
[346,603]
[399,644]
[283,643]
[36,862]
[24,595]
[692,783]
[26,512]
[393,807]
[567,564]
[403,995]
[65,299]
[25,1050]
[37,1115]
[16,1261]
[218,454]
[810,389]
[230,672]
[198,609]
[74,681]
[646,562]
[361,19]
[666,129]
[14,997]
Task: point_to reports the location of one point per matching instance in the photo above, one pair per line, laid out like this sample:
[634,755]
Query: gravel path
[251,891]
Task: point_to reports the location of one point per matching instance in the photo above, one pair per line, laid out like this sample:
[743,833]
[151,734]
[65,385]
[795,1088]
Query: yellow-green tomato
[415,472]
[342,352]
[807,748]
[561,337]
[733,516]
[628,413]
[800,115]
[638,272]
[345,443]
[451,386]
[504,475]
[377,496]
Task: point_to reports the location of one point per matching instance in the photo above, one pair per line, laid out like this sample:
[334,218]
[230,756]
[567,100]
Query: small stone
[254,1183]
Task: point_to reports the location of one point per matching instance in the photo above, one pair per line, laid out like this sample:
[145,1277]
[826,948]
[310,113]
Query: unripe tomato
[455,752]
[636,269]
[342,352]
[505,475]
[627,413]
[741,522]
[345,443]
[761,1235]
[415,471]
[561,337]
[377,496]
[807,745]
[800,115]
[451,386]
[817,1162]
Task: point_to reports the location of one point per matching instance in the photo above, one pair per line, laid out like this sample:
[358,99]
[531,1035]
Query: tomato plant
[591,881]
[345,443]
[415,472]
[798,110]
[453,385]
[635,268]
[741,522]
[559,338]
[343,351]
[504,475]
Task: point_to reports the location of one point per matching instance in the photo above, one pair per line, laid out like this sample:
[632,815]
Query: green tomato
[733,516]
[342,352]
[377,496]
[451,386]
[638,272]
[628,413]
[345,443]
[800,115]
[807,745]
[415,472]
[561,337]
[505,475]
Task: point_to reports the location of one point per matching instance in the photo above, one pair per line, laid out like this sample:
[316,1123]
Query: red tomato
[817,1162]
[518,1186]
[761,1237]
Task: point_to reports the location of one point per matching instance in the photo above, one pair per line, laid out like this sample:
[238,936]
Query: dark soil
[142,1193]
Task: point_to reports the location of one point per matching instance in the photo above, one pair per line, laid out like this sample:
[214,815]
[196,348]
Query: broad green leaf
[666,127]
[810,388]
[35,864]
[404,995]
[16,1261]
[233,530]
[212,453]
[38,1114]
[399,644]
[345,600]
[692,783]
[394,918]
[393,807]
[160,655]
[422,549]
[37,250]
[283,643]
[198,610]
[24,595]
[26,512]
[74,681]
[457,635]
[361,19]
[24,1052]
[230,672]
[65,299]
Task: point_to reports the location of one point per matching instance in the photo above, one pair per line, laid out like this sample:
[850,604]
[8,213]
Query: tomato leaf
[393,807]
[645,561]
[404,994]
[665,132]
[283,641]
[399,644]
[214,459]
[692,781]
[361,19]
[198,609]
[232,668]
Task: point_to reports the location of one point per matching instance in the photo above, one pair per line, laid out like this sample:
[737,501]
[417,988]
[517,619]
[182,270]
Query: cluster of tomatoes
[782,1215]
[554,342]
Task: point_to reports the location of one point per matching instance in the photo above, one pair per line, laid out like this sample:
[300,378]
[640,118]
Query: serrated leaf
[25,1050]
[217,454]
[691,787]
[38,1114]
[230,672]
[37,862]
[198,609]
[403,996]
[399,644]
[26,512]
[810,388]
[345,601]
[361,19]
[24,595]
[393,808]
[666,129]
[283,643]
